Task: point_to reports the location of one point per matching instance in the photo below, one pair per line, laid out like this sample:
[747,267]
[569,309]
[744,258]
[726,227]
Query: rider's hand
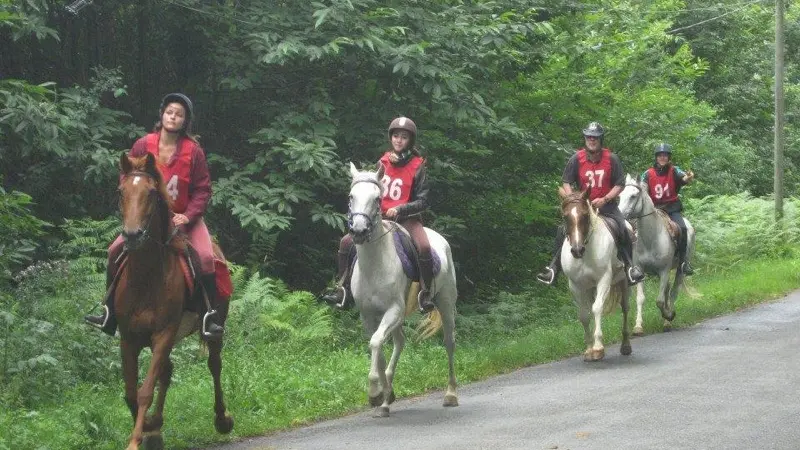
[391,213]
[689,176]
[179,219]
[599,202]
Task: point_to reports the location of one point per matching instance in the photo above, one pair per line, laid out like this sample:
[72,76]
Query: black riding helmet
[662,148]
[177,97]
[596,130]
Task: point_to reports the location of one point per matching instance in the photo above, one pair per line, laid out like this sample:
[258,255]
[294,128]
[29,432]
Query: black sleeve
[617,172]
[419,196]
[571,171]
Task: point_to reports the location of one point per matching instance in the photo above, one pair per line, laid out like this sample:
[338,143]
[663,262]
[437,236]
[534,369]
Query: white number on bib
[662,190]
[596,174]
[392,188]
[172,188]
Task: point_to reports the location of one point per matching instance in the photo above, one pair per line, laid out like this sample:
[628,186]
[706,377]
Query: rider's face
[173,118]
[592,143]
[400,139]
[662,159]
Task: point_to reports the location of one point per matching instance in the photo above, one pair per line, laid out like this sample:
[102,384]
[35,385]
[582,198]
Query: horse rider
[598,169]
[404,199]
[664,182]
[182,164]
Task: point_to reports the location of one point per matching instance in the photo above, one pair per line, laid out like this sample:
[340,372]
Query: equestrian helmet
[403,123]
[663,148]
[594,129]
[177,97]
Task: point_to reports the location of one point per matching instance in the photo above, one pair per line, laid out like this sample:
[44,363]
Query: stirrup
[631,279]
[343,303]
[106,317]
[546,281]
[430,305]
[684,265]
[204,330]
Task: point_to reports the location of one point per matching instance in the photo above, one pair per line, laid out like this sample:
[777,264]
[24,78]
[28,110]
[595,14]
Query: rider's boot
[106,322]
[211,330]
[684,266]
[551,271]
[426,276]
[340,296]
[632,272]
[548,276]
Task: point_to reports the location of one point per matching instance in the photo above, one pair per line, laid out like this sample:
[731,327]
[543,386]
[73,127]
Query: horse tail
[430,324]
[614,296]
[691,291]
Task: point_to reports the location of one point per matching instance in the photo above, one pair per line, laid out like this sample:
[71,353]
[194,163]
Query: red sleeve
[199,186]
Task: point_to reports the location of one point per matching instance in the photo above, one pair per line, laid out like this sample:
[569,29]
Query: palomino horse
[596,276]
[381,289]
[150,296]
[655,250]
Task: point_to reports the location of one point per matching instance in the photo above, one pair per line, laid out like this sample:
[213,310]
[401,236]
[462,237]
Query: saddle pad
[408,255]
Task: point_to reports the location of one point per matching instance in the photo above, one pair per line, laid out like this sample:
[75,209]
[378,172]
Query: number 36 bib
[397,182]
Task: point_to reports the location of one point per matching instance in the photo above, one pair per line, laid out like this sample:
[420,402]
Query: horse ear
[561,192]
[381,171]
[124,163]
[353,170]
[150,164]
[586,193]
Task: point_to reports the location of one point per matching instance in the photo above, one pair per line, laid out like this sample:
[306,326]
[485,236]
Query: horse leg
[625,348]
[398,341]
[223,422]
[130,373]
[391,320]
[603,288]
[156,420]
[672,296]
[663,293]
[162,345]
[448,330]
[638,328]
[582,300]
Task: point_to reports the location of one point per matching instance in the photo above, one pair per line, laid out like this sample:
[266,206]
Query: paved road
[729,383]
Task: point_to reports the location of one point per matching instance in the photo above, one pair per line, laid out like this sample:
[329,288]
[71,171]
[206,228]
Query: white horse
[654,250]
[384,295]
[596,276]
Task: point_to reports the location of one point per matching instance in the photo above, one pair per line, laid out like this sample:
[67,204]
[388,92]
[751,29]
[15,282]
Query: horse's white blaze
[576,232]
[136,180]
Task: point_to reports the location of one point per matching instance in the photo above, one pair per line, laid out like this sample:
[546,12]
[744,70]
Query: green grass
[279,384]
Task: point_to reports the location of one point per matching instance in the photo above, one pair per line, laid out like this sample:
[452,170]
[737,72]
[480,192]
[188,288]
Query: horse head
[364,213]
[632,198]
[142,199]
[577,214]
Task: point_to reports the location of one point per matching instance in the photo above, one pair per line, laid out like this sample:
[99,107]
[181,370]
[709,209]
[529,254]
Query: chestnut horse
[150,296]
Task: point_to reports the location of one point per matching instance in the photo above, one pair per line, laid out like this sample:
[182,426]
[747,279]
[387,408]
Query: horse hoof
[153,441]
[638,331]
[626,349]
[381,412]
[224,424]
[667,326]
[152,423]
[392,398]
[594,355]
[376,401]
[450,400]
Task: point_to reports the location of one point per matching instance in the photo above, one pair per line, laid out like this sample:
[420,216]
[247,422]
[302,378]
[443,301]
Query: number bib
[662,187]
[178,173]
[596,176]
[397,182]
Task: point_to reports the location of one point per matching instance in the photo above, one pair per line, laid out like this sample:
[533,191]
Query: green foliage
[20,230]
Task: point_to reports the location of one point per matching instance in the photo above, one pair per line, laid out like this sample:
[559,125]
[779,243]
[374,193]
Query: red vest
[662,187]
[596,176]
[178,173]
[397,182]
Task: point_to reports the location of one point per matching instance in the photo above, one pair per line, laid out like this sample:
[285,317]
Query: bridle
[370,219]
[639,203]
[146,233]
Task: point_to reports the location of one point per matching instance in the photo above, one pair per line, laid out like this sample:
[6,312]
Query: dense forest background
[288,92]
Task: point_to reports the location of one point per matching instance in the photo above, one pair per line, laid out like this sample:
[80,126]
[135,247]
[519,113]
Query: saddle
[407,252]
[611,224]
[672,227]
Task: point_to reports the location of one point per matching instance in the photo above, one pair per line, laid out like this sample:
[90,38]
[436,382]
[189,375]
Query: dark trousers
[683,239]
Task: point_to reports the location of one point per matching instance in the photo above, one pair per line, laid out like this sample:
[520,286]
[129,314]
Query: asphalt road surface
[728,383]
